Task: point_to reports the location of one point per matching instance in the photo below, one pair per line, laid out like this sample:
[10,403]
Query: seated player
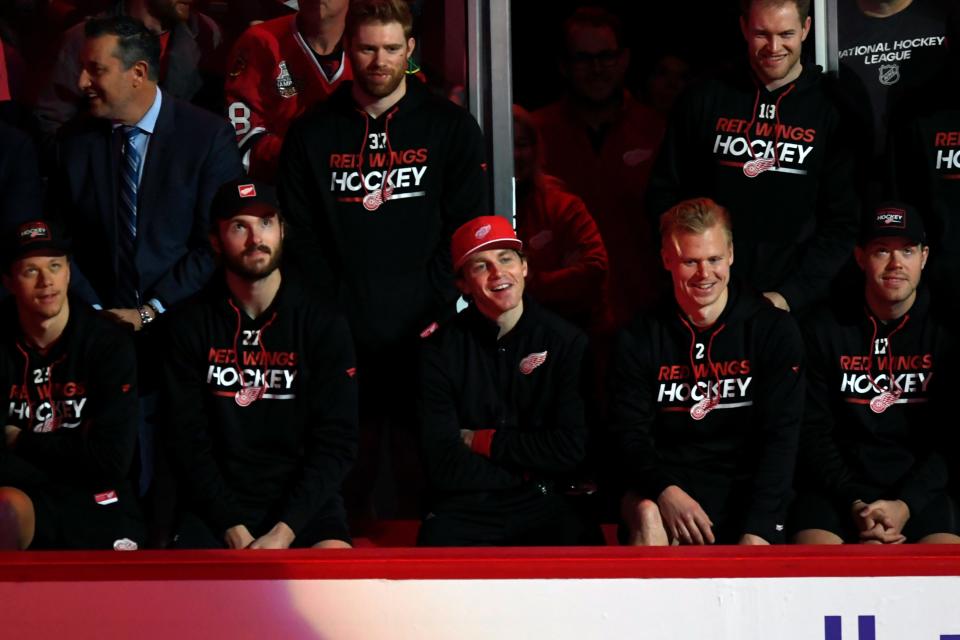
[501,411]
[880,381]
[70,426]
[259,396]
[706,398]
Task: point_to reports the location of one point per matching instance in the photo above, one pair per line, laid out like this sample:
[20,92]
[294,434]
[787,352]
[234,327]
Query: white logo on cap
[247,190]
[482,232]
[891,217]
[34,231]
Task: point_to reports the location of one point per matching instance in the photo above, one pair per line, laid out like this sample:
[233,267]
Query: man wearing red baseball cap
[259,397]
[875,450]
[70,427]
[501,410]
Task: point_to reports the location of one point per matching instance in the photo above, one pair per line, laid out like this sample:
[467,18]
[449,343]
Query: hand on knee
[17,519]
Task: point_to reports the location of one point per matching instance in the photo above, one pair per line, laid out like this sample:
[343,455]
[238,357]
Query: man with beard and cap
[876,443]
[278,69]
[259,398]
[188,41]
[601,143]
[768,142]
[502,418]
[70,426]
[373,182]
[706,398]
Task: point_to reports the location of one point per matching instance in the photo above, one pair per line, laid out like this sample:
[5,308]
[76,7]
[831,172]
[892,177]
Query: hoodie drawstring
[708,403]
[891,394]
[247,395]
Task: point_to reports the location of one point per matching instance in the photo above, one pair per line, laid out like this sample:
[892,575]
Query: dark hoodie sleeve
[778,414]
[185,430]
[101,449]
[837,220]
[553,448]
[631,386]
[820,461]
[464,196]
[331,432]
[677,172]
[303,207]
[450,465]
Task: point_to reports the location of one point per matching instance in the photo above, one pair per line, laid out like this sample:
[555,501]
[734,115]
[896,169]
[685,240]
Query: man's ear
[859,256]
[215,243]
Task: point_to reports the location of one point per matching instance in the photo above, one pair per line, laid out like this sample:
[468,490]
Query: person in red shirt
[277,70]
[564,247]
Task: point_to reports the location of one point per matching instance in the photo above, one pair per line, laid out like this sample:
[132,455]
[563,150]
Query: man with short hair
[880,381]
[188,40]
[373,182]
[278,69]
[501,412]
[706,398]
[748,138]
[601,143]
[259,395]
[134,183]
[70,427]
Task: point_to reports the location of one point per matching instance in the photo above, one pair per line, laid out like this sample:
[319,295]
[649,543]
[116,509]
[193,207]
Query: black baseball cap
[244,197]
[34,237]
[893,220]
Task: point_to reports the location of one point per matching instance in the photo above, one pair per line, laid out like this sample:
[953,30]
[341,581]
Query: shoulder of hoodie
[421,103]
[95,333]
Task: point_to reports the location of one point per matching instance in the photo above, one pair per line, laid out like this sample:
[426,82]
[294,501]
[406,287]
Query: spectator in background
[501,411]
[667,80]
[568,262]
[878,426]
[768,141]
[187,40]
[69,379]
[601,142]
[706,398]
[277,70]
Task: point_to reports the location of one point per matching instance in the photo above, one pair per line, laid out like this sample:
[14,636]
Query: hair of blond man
[380,12]
[695,216]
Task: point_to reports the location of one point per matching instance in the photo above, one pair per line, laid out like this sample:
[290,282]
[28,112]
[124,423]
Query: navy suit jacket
[191,153]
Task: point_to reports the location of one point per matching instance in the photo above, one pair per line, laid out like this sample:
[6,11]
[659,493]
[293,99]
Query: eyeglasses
[605,58]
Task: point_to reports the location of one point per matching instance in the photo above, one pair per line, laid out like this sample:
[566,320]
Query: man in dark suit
[134,183]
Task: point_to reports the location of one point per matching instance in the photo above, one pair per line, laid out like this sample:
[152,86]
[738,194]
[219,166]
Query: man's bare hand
[11,433]
[683,518]
[238,537]
[777,300]
[280,537]
[467,436]
[130,317]
[882,521]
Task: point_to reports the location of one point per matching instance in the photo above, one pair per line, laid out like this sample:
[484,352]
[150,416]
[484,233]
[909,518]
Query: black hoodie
[387,266]
[81,444]
[750,358]
[285,453]
[795,212]
[847,448]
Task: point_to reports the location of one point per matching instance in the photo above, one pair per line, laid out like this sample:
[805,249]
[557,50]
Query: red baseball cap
[481,234]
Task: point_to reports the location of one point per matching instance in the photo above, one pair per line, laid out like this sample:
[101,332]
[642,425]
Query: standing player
[872,455]
[751,137]
[70,425]
[374,182]
[707,398]
[259,394]
[278,69]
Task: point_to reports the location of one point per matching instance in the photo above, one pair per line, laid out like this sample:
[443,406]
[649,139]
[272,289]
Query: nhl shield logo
[285,86]
[889,74]
[531,362]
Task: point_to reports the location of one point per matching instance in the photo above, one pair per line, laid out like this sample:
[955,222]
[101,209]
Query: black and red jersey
[261,412]
[725,401]
[877,421]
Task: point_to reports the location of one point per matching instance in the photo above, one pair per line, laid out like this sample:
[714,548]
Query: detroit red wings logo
[757,166]
[248,395]
[700,410]
[373,200]
[482,232]
[531,362]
